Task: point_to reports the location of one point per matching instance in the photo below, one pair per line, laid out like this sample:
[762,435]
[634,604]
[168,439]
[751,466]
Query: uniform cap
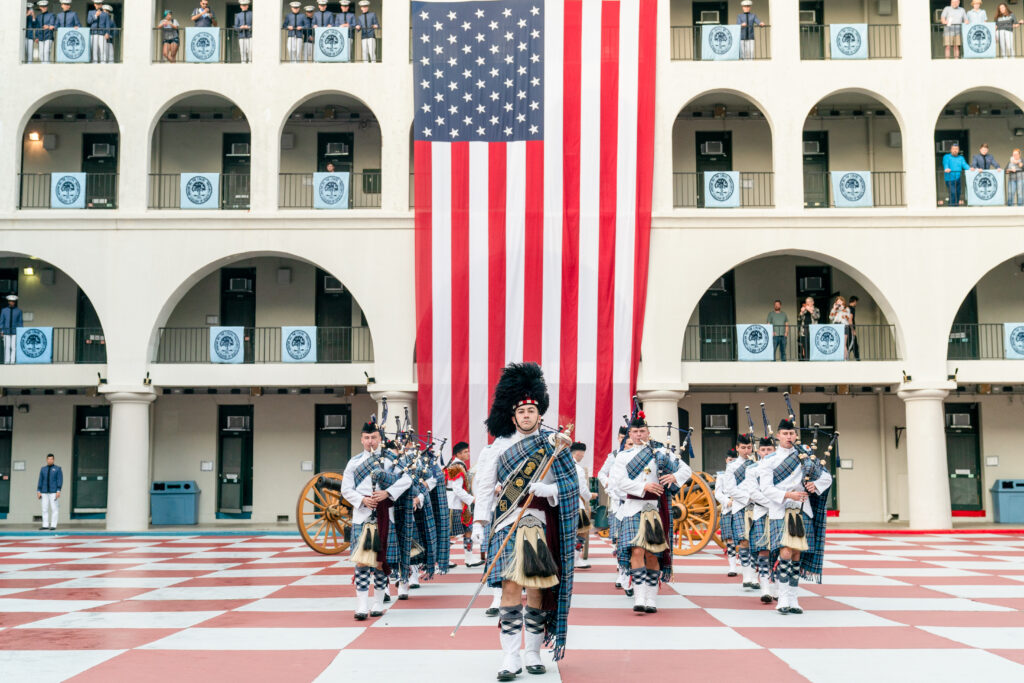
[308,8]
[520,384]
[786,424]
[746,3]
[43,3]
[295,4]
[765,441]
[743,438]
[12,297]
[110,8]
[364,3]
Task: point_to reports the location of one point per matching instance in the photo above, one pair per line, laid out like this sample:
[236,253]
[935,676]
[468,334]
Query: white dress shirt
[355,491]
[635,487]
[486,481]
[776,493]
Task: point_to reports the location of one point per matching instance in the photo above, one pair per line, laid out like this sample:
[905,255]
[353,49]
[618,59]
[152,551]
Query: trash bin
[1008,501]
[174,502]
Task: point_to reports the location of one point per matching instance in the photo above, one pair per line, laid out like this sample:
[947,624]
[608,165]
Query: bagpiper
[604,477]
[725,505]
[579,451]
[523,460]
[732,482]
[460,501]
[758,518]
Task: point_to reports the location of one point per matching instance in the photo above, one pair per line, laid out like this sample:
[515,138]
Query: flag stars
[521,71]
[509,59]
[494,49]
[534,58]
[494,120]
[533,130]
[451,16]
[509,82]
[535,81]
[466,26]
[534,11]
[438,49]
[453,86]
[466,73]
[467,48]
[535,33]
[521,47]
[479,14]
[493,26]
[468,121]
[454,132]
[509,35]
[425,108]
[521,94]
[451,39]
[438,26]
[480,61]
[508,106]
[427,132]
[494,97]
[508,130]
[480,84]
[468,97]
[425,38]
[439,97]
[453,110]
[425,83]
[521,23]
[480,109]
[494,72]
[480,38]
[452,61]
[506,13]
[424,16]
[440,120]
[520,118]
[425,61]
[438,73]
[480,131]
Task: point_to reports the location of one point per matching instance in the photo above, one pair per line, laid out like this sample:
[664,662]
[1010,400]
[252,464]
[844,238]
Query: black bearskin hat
[786,424]
[520,383]
[371,426]
[639,421]
[743,438]
[577,446]
[731,453]
[623,431]
[765,441]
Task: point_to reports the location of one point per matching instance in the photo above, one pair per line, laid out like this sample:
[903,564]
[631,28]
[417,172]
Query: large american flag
[533,161]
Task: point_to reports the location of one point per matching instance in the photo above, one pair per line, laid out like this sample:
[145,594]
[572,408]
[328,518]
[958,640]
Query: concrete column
[398,401]
[927,473]
[661,407]
[918,127]
[129,478]
[394,154]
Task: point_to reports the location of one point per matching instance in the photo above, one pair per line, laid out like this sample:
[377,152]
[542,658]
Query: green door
[824,415]
[235,170]
[718,434]
[234,471]
[333,438]
[90,461]
[714,153]
[709,13]
[812,29]
[6,425]
[90,345]
[99,163]
[333,319]
[716,315]
[963,336]
[238,305]
[963,455]
[816,168]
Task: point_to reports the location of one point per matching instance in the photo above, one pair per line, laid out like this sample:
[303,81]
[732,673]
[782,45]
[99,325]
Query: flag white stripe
[441,267]
[478,291]
[515,250]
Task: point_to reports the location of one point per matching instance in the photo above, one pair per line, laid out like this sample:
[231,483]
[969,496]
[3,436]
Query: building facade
[133,283]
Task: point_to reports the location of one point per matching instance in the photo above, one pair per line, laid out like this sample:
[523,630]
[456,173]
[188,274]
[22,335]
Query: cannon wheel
[604,533]
[323,518]
[694,515]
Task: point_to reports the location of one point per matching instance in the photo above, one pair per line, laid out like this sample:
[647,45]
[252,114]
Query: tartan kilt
[392,558]
[628,529]
[739,526]
[613,527]
[505,560]
[778,526]
[457,528]
[726,527]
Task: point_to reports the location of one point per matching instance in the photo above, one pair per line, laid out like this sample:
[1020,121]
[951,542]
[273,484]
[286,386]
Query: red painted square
[80,638]
[210,582]
[753,601]
[1012,655]
[344,591]
[9,619]
[625,616]
[171,606]
[155,666]
[717,666]
[869,638]
[962,619]
[282,620]
[83,593]
[427,638]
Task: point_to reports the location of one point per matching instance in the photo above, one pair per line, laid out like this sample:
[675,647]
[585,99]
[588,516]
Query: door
[230,35]
[90,346]
[943,140]
[235,169]
[234,471]
[718,434]
[6,427]
[814,282]
[90,458]
[707,13]
[714,153]
[339,149]
[937,30]
[963,336]
[333,319]
[8,285]
[963,455]
[816,168]
[99,162]
[716,314]
[812,29]
[824,415]
[238,304]
[333,437]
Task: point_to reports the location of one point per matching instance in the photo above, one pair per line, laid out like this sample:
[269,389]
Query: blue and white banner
[979,41]
[754,342]
[34,344]
[1013,341]
[985,188]
[67,190]
[721,189]
[849,41]
[298,344]
[73,45]
[227,344]
[202,45]
[332,45]
[331,190]
[200,190]
[828,342]
[852,189]
[720,42]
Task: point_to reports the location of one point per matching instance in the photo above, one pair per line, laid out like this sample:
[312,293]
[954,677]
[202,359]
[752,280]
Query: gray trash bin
[174,502]
[1008,501]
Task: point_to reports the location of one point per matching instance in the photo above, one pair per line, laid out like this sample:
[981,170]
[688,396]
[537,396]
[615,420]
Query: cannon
[322,515]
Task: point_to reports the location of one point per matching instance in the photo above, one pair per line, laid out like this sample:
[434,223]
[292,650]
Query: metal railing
[942,192]
[100,191]
[79,345]
[165,191]
[756,189]
[686,42]
[883,41]
[717,343]
[295,190]
[229,46]
[356,53]
[886,189]
[263,345]
[939,48]
[44,51]
[976,342]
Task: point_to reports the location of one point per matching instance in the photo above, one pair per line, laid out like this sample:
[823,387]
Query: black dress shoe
[618,584]
[650,609]
[387,597]
[413,586]
[359,616]
[629,592]
[732,574]
[376,613]
[766,599]
[795,610]
[639,608]
[44,528]
[536,669]
[403,597]
[508,675]
[492,611]
[782,610]
[474,564]
[756,586]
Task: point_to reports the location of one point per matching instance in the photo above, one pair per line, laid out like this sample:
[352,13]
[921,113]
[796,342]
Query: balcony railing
[716,343]
[80,345]
[229,47]
[100,191]
[883,41]
[42,51]
[886,189]
[686,42]
[165,191]
[983,341]
[356,54]
[295,190]
[263,345]
[939,48]
[756,189]
[1013,189]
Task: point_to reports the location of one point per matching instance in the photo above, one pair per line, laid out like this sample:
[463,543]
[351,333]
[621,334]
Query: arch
[184,96]
[733,93]
[321,93]
[867,92]
[988,89]
[29,111]
[973,274]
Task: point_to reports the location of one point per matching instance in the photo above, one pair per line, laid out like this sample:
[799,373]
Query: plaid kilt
[457,528]
[357,529]
[613,527]
[726,527]
[505,560]
[628,529]
[757,539]
[739,526]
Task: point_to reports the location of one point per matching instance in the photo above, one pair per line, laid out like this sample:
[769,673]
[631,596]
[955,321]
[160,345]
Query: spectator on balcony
[952,166]
[1005,21]
[779,321]
[10,321]
[983,161]
[31,24]
[308,34]
[976,15]
[47,25]
[747,21]
[108,47]
[295,24]
[169,32]
[840,315]
[330,167]
[808,315]
[243,29]
[852,345]
[202,16]
[322,17]
[346,18]
[1015,180]
[367,25]
[66,18]
[953,17]
[101,26]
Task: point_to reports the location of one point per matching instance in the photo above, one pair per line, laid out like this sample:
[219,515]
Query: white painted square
[632,638]
[919,605]
[458,666]
[760,618]
[209,593]
[982,592]
[133,620]
[985,638]
[933,666]
[121,582]
[55,606]
[46,666]
[304,605]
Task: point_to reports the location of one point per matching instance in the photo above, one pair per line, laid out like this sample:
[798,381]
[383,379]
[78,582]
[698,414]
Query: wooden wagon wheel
[604,533]
[694,516]
[323,517]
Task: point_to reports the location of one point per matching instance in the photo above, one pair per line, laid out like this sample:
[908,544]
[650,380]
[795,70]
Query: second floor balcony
[264,345]
[719,343]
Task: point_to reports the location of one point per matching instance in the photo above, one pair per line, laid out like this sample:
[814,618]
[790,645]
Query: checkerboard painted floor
[902,608]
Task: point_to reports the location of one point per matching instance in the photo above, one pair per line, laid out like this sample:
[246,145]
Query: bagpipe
[811,464]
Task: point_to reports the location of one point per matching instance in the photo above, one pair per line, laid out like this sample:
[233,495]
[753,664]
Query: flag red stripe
[460,292]
[424,288]
[497,162]
[606,223]
[644,179]
[533,323]
[571,206]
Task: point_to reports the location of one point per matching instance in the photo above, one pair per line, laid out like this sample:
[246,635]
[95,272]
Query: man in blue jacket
[952,166]
[243,30]
[51,481]
[367,25]
[31,24]
[295,24]
[10,321]
[100,25]
[66,18]
[47,22]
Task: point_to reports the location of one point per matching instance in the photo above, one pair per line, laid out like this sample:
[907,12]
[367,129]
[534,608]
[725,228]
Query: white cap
[746,3]
[364,3]
[108,8]
[12,297]
[309,8]
[43,3]
[295,4]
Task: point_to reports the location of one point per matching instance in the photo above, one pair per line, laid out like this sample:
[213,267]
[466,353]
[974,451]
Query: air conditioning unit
[8,287]
[237,423]
[102,150]
[336,149]
[716,422]
[895,139]
[958,420]
[332,285]
[239,149]
[712,148]
[335,422]
[944,146]
[884,8]
[710,17]
[718,285]
[811,284]
[239,284]
[6,423]
[808,16]
[812,147]
[95,423]
[820,419]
